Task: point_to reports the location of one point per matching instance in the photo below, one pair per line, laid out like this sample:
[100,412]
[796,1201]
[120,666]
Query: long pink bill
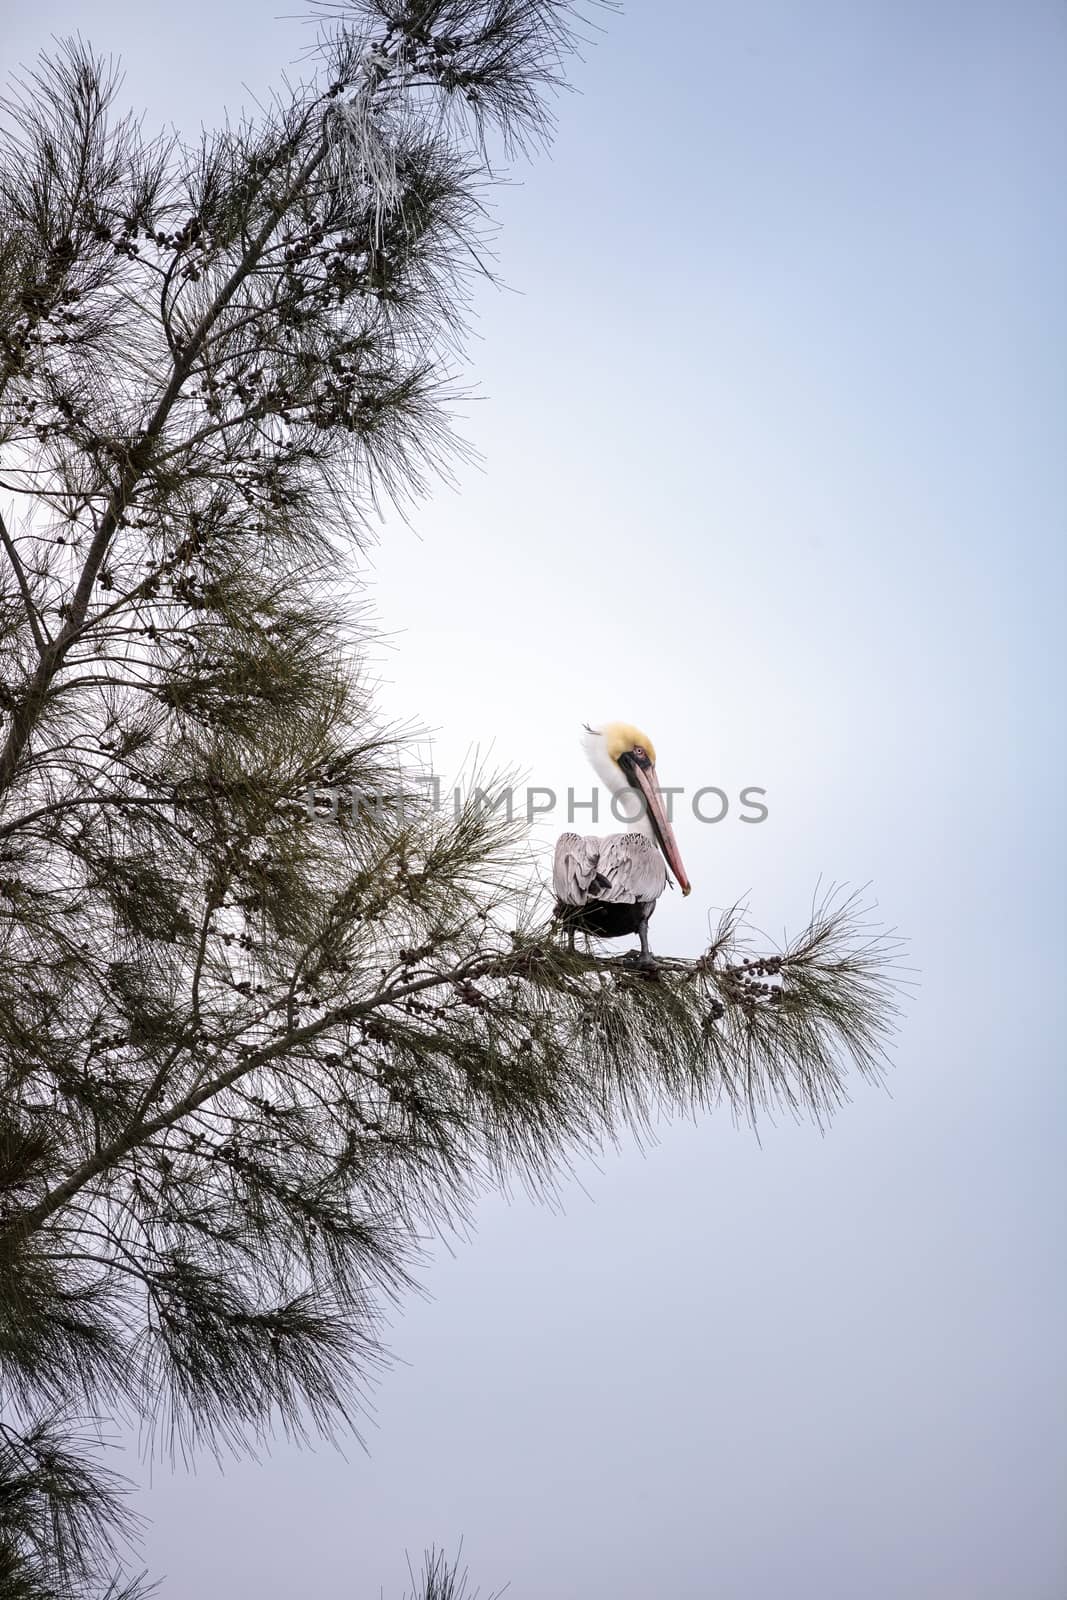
[646,781]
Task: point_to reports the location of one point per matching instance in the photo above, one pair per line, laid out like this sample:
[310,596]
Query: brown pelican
[609,886]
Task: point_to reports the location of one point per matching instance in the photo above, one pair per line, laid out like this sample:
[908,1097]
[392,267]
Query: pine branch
[62,1519]
[785,1017]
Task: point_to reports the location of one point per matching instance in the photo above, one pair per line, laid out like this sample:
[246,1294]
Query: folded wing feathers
[624,867]
[574,867]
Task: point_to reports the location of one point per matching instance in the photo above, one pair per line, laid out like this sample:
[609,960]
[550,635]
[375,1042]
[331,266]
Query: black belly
[605,919]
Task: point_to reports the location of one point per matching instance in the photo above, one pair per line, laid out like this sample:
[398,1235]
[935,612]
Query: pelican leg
[646,958]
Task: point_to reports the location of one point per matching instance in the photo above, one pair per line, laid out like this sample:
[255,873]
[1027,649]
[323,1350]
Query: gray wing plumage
[574,868]
[624,867]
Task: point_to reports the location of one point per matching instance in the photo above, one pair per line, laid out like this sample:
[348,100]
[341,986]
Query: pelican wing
[633,867]
[623,868]
[574,868]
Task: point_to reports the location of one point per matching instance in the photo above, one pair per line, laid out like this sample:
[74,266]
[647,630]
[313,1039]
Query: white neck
[628,815]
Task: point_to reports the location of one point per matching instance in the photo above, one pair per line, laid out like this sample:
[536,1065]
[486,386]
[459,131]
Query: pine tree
[251,1046]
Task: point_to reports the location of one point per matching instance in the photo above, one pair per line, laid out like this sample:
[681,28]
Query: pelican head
[625,758]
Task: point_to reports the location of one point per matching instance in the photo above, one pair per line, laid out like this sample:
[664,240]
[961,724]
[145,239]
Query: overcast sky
[772,418]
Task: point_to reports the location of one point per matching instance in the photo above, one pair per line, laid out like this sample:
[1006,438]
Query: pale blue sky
[780,391]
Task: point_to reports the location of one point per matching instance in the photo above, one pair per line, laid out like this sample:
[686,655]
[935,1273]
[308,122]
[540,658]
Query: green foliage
[251,1053]
[441,1579]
